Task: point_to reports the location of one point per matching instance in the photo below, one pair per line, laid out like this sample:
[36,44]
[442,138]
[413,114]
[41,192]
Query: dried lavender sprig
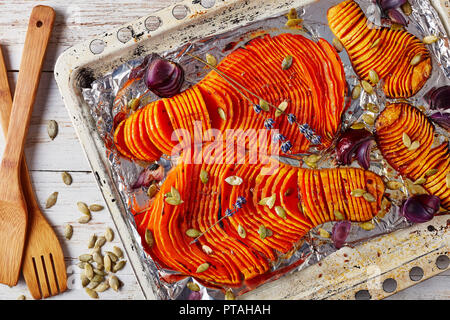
[228,213]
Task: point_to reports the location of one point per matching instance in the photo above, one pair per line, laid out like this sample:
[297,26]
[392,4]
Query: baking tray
[373,270]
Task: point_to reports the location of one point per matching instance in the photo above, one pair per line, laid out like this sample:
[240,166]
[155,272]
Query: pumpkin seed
[97,257]
[358,125]
[431,172]
[175,194]
[312,165]
[51,200]
[107,263]
[222,114]
[88,271]
[287,62]
[420,181]
[324,233]
[292,14]
[414,146]
[367,226]
[269,201]
[193,233]
[81,265]
[207,249]
[91,293]
[211,60]
[447,180]
[102,287]
[369,197]
[367,87]
[293,22]
[93,284]
[204,177]
[337,44]
[134,104]
[373,77]
[234,180]
[109,234]
[396,27]
[100,271]
[372,108]
[430,39]
[339,215]
[85,257]
[119,266]
[241,231]
[21,297]
[394,185]
[375,43]
[114,283]
[112,256]
[406,140]
[416,59]
[173,201]
[100,242]
[66,178]
[368,119]
[264,105]
[281,108]
[406,8]
[92,240]
[84,219]
[152,190]
[229,295]
[262,232]
[358,193]
[84,280]
[193,286]
[149,238]
[356,92]
[118,252]
[280,212]
[97,278]
[203,267]
[95,207]
[83,208]
[68,232]
[52,129]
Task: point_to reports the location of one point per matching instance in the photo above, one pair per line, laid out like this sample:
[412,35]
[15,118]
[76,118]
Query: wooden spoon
[13,210]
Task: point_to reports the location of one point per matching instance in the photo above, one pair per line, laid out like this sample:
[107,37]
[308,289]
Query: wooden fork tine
[42,278]
[33,282]
[59,269]
[51,275]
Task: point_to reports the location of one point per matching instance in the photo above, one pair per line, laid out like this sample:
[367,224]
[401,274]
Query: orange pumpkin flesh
[391,58]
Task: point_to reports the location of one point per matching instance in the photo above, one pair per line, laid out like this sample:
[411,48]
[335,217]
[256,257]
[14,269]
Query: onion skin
[439,98]
[397,17]
[363,154]
[420,208]
[340,233]
[391,4]
[354,141]
[148,176]
[442,119]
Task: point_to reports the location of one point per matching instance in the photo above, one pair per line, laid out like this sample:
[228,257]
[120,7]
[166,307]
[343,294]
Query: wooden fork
[43,267]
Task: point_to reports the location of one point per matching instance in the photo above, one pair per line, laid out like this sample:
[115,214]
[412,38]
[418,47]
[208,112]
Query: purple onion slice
[420,208]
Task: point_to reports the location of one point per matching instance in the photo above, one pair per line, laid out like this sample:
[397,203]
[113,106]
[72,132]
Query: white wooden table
[79,20]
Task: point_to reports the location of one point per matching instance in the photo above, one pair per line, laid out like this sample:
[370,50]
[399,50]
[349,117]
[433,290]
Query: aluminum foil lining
[101,99]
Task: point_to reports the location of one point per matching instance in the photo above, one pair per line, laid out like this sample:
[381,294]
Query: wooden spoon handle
[38,35]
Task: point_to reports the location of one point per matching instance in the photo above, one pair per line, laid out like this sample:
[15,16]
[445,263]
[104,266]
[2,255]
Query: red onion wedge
[420,208]
[391,4]
[153,173]
[355,141]
[340,233]
[439,98]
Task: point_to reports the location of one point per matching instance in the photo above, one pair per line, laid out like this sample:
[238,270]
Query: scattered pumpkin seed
[118,252]
[312,165]
[97,278]
[234,180]
[100,270]
[358,125]
[109,234]
[97,257]
[287,62]
[280,212]
[281,108]
[175,194]
[152,190]
[375,43]
[269,201]
[102,287]
[112,256]
[431,172]
[396,27]
[134,104]
[262,232]
[416,59]
[193,233]
[313,158]
[81,265]
[84,280]
[206,249]
[229,295]
[394,185]
[68,232]
[406,140]
[107,263]
[67,178]
[88,271]
[83,208]
[406,8]
[337,44]
[211,60]
[204,177]
[52,129]
[367,226]
[414,146]
[373,77]
[114,283]
[339,215]
[420,181]
[92,240]
[203,267]
[356,92]
[373,108]
[85,257]
[415,189]
[51,200]
[222,114]
[292,14]
[293,22]
[324,233]
[368,119]
[173,201]
[193,286]
[430,39]
[149,238]
[96,207]
[264,105]
[367,87]
[241,231]
[358,193]
[369,197]
[447,180]
[91,293]
[21,297]
[84,219]
[100,242]
[93,284]
[119,266]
